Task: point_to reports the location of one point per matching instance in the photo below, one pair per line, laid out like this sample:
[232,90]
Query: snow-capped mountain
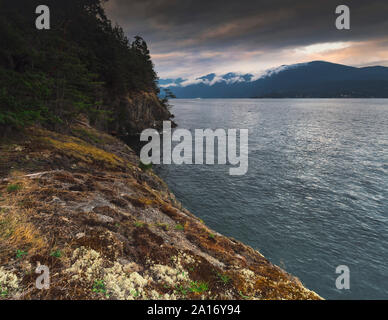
[312,79]
[209,80]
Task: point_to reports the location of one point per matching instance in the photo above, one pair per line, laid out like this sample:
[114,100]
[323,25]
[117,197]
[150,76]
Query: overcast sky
[190,38]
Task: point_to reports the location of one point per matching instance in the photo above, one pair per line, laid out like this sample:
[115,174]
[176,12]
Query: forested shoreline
[83,65]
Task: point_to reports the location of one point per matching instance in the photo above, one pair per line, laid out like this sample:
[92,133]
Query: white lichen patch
[249,278]
[182,258]
[9,282]
[123,286]
[175,275]
[167,275]
[88,264]
[247,274]
[155,295]
[186,258]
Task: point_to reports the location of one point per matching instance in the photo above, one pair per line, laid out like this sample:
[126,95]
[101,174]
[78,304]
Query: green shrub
[3,292]
[20,254]
[99,287]
[224,278]
[179,227]
[198,287]
[13,187]
[56,254]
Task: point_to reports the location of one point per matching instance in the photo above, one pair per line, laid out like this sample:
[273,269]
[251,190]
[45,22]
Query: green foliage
[168,94]
[145,167]
[243,296]
[79,66]
[198,287]
[3,292]
[100,288]
[163,226]
[139,224]
[13,187]
[56,254]
[180,289]
[135,293]
[179,227]
[194,287]
[224,278]
[20,253]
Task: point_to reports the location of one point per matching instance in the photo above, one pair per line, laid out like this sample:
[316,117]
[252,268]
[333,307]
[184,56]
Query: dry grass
[16,232]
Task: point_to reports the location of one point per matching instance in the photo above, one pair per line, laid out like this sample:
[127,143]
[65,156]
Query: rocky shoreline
[80,204]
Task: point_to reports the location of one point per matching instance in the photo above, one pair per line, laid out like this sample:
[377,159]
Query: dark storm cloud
[187,23]
[194,26]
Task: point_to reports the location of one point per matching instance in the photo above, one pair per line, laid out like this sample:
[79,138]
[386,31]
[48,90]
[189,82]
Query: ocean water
[316,192]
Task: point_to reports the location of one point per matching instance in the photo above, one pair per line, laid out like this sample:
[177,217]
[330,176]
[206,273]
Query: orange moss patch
[84,152]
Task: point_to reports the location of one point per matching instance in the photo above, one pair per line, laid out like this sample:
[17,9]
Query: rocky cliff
[139,111]
[79,204]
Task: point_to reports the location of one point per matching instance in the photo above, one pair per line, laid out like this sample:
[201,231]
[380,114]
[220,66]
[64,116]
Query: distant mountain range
[316,79]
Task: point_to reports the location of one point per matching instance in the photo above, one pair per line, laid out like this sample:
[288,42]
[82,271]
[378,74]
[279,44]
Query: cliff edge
[79,204]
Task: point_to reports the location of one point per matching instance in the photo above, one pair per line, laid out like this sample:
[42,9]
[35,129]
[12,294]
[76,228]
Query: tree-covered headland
[83,65]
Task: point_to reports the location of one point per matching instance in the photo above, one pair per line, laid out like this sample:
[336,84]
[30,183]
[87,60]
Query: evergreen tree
[80,65]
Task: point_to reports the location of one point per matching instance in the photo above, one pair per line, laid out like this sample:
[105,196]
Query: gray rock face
[140,111]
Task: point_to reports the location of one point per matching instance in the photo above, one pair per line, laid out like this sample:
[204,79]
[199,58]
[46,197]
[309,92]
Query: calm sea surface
[316,192]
